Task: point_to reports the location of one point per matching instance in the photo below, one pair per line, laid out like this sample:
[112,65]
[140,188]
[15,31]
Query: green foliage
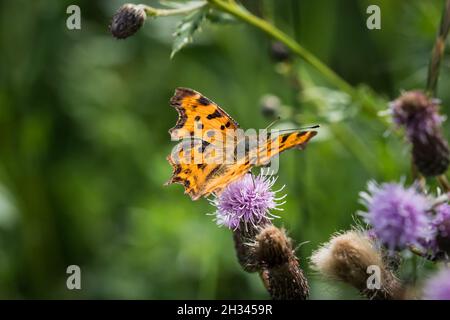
[186,29]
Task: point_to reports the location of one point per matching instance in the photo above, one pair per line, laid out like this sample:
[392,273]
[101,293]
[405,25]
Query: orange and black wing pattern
[198,161]
[199,117]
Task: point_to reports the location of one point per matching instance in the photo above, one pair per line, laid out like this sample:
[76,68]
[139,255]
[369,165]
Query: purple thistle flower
[439,244]
[397,215]
[441,222]
[248,200]
[417,113]
[438,287]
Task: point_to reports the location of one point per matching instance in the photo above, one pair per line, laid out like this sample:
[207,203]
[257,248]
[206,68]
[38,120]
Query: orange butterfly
[214,152]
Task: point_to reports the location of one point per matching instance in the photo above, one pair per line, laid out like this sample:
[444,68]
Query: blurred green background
[83,140]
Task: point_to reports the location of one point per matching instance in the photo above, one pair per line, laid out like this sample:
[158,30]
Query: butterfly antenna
[310,127]
[273,122]
[301,128]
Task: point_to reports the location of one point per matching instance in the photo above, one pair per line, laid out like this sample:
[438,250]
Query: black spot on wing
[215,114]
[201,166]
[284,138]
[181,93]
[203,101]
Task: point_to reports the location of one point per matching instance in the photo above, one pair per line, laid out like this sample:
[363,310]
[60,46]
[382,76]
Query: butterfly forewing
[199,117]
[213,152]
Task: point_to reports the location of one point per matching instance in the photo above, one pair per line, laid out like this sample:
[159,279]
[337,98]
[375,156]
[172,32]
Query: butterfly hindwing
[194,166]
[259,155]
[279,143]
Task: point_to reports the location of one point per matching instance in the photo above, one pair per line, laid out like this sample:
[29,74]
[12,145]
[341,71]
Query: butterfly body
[214,151]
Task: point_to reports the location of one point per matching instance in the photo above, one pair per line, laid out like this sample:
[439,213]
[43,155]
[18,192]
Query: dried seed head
[127,20]
[420,116]
[346,258]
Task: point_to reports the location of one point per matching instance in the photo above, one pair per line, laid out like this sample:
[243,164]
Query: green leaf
[187,28]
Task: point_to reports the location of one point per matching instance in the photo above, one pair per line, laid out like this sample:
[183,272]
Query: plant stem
[241,13]
[155,12]
[414,269]
[438,51]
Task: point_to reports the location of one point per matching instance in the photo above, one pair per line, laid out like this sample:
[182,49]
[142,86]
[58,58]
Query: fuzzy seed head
[346,258]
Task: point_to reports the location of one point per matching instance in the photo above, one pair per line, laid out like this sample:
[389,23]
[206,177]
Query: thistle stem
[155,12]
[438,51]
[244,15]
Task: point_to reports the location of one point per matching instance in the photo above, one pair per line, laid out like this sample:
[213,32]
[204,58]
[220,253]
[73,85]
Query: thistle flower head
[438,287]
[397,215]
[418,113]
[440,226]
[127,20]
[441,221]
[248,200]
